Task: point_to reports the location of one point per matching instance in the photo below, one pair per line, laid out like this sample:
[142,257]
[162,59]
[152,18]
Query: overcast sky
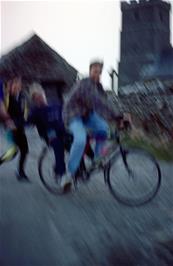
[77,30]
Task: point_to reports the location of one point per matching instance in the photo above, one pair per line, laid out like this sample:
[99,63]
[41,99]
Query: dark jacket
[47,118]
[85,97]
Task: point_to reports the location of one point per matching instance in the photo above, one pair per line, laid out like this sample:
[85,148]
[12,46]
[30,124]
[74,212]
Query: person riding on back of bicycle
[85,109]
[48,120]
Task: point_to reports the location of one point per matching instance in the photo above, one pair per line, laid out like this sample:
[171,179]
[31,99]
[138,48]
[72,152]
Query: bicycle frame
[105,163]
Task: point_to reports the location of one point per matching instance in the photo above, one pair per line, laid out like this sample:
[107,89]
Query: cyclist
[16,108]
[50,127]
[87,107]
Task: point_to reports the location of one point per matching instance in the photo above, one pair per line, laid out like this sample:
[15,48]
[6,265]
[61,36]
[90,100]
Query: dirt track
[85,228]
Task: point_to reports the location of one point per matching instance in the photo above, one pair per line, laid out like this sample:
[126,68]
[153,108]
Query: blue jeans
[78,127]
[58,148]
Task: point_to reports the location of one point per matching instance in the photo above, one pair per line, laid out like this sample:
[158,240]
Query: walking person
[16,107]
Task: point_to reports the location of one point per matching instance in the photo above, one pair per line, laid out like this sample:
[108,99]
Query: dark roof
[34,60]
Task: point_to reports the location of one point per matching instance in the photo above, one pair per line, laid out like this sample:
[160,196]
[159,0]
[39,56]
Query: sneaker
[66,183]
[21,176]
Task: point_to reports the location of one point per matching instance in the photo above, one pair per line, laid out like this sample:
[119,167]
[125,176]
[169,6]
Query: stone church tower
[145,34]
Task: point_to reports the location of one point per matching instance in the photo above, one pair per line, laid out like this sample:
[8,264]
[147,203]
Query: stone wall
[151,110]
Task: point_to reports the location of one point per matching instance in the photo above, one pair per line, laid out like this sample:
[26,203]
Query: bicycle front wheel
[46,166]
[135,180]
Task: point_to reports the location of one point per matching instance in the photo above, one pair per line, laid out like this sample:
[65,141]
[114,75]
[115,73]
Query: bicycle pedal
[100,164]
[104,164]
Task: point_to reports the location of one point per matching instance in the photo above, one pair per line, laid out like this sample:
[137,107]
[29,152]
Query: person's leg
[88,149]
[21,142]
[78,146]
[58,148]
[99,129]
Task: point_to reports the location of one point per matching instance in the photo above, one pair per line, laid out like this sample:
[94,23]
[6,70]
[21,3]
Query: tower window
[161,16]
[136,15]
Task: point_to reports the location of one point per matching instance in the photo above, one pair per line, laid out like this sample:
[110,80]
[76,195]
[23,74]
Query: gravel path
[84,228]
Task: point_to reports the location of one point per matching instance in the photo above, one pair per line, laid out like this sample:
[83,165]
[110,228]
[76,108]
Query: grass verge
[164,153]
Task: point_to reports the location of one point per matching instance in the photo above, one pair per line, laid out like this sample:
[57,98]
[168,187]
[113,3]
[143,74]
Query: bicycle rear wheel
[135,182]
[46,165]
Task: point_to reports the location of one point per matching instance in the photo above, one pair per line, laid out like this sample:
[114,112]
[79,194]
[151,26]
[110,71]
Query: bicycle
[124,185]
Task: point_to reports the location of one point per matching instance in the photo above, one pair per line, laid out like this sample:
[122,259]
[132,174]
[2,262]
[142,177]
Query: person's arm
[74,93]
[5,117]
[3,113]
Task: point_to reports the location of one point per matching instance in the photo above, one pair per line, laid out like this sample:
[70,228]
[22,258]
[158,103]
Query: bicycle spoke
[135,182]
[47,172]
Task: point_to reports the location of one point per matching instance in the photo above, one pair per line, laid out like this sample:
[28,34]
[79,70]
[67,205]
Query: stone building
[145,35]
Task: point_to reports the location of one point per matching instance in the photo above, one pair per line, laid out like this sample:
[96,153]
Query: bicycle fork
[124,157]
